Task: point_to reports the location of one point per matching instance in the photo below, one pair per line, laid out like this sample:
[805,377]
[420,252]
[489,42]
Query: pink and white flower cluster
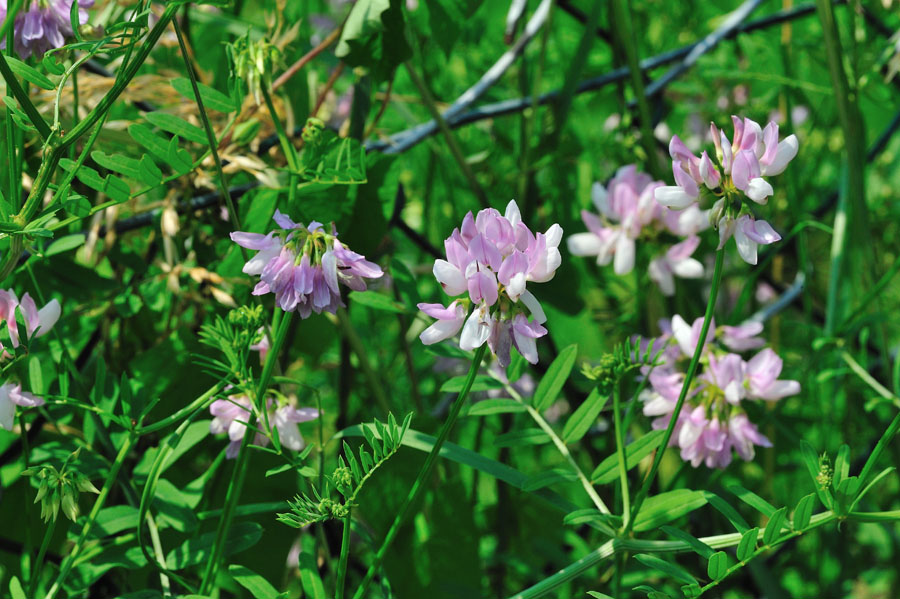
[629,213]
[303,266]
[231,416]
[491,258]
[712,422]
[37,323]
[737,173]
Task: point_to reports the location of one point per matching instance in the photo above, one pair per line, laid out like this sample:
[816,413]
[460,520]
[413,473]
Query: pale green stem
[66,566]
[561,447]
[345,555]
[620,451]
[232,495]
[688,379]
[869,379]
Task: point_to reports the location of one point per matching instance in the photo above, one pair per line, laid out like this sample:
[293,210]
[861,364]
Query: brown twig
[382,108]
[292,70]
[328,85]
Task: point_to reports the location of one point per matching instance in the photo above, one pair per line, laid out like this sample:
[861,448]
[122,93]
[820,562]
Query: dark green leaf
[64,244]
[546,479]
[177,126]
[752,499]
[727,510]
[377,301]
[717,566]
[482,383]
[552,382]
[242,535]
[773,528]
[803,512]
[636,451]
[29,73]
[673,570]
[748,544]
[580,422]
[486,407]
[258,586]
[665,507]
[527,436]
[696,544]
[212,98]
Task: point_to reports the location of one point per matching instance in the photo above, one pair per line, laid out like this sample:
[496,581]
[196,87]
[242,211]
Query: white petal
[786,152]
[584,244]
[7,408]
[673,197]
[534,306]
[759,190]
[47,317]
[527,346]
[681,330]
[450,278]
[689,268]
[329,269]
[476,330]
[624,260]
[516,286]
[440,330]
[746,246]
[554,235]
[600,198]
[512,213]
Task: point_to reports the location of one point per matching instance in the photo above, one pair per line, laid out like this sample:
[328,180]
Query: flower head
[713,422]
[231,416]
[303,266]
[628,213]
[43,25]
[11,395]
[492,257]
[731,181]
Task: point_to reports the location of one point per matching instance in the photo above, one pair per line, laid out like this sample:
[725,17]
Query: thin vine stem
[69,561]
[620,451]
[345,555]
[235,485]
[688,379]
[35,575]
[419,484]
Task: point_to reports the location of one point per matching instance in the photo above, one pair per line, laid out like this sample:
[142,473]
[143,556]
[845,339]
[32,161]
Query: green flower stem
[7,26]
[620,451]
[455,149]
[160,554]
[560,446]
[232,496]
[624,33]
[688,379]
[180,414]
[862,373]
[290,152]
[24,101]
[616,546]
[424,473]
[35,575]
[69,561]
[850,219]
[124,77]
[210,134]
[345,555]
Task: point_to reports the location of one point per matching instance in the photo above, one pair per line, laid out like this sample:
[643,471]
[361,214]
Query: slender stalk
[35,575]
[125,77]
[232,495]
[210,134]
[67,564]
[862,373]
[24,101]
[688,379]
[620,451]
[424,473]
[177,416]
[455,150]
[624,33]
[290,153]
[292,70]
[345,555]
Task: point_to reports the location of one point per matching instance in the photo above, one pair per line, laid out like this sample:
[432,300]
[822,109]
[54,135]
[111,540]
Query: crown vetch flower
[732,181]
[713,422]
[492,257]
[231,416]
[303,266]
[11,395]
[37,322]
[629,213]
[43,25]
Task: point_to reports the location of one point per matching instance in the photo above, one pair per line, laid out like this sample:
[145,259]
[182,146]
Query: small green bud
[342,478]
[826,472]
[312,130]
